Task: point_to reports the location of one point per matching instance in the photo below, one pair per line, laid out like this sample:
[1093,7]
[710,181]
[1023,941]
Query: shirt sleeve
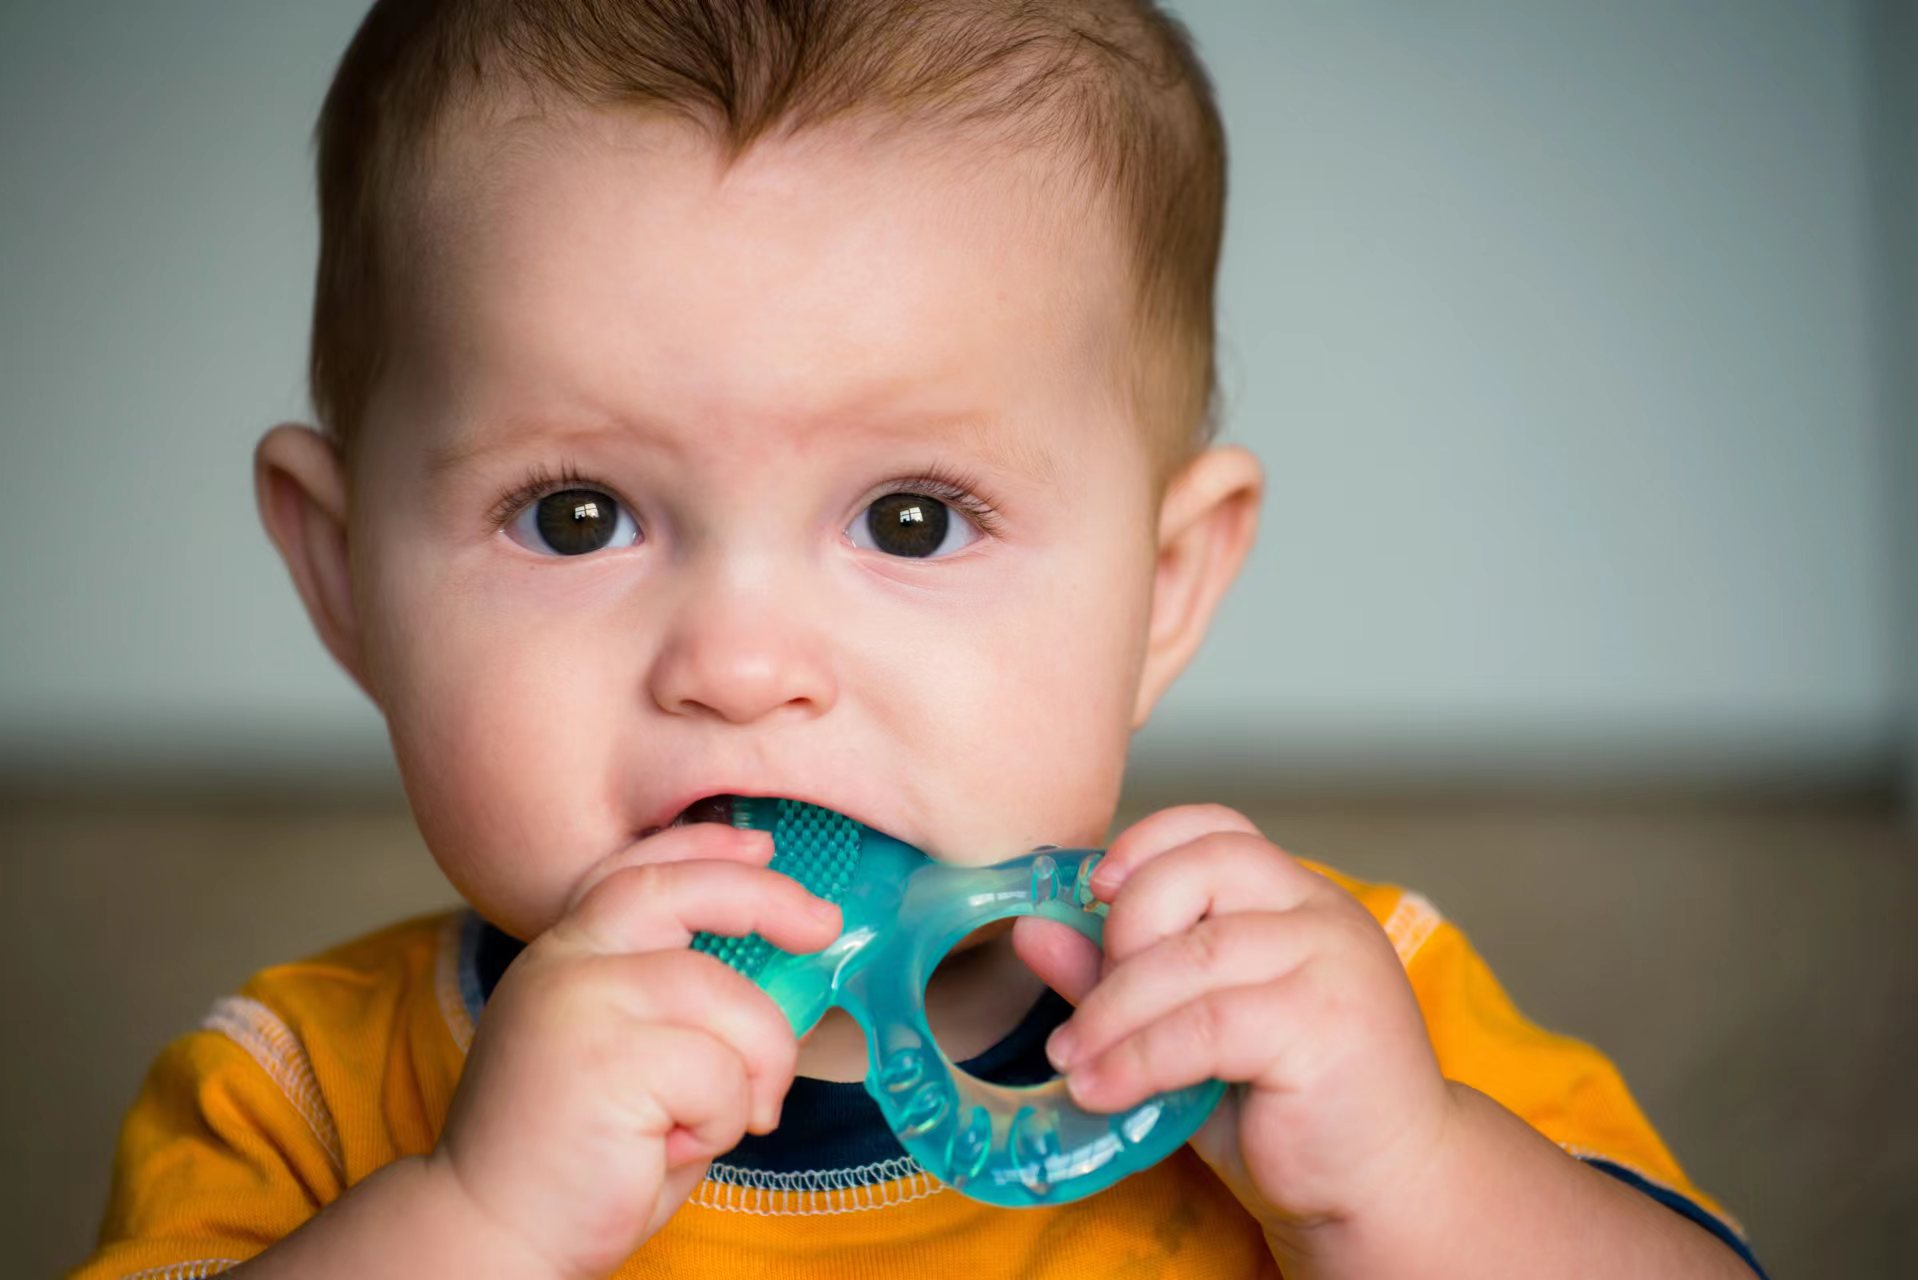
[227,1148]
[1564,1088]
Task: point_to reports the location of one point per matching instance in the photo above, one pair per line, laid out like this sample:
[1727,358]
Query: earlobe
[299,483]
[1207,521]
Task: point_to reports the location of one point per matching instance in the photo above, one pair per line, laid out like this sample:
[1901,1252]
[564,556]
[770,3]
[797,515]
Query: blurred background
[1579,342]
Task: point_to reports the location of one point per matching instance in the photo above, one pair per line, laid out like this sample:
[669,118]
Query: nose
[742,656]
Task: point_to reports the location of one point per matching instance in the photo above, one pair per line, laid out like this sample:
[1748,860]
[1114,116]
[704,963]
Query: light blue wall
[1557,324]
[1553,323]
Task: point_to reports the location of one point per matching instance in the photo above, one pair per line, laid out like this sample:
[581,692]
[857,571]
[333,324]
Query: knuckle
[777,1053]
[1350,924]
[647,879]
[1205,1026]
[702,982]
[1332,1006]
[1126,931]
[1204,947]
[1090,1018]
[1323,990]
[603,1047]
[1234,843]
[1127,1060]
[717,990]
[1335,896]
[780,891]
[1363,928]
[738,1094]
[731,1068]
[564,991]
[694,975]
[1222,816]
[620,890]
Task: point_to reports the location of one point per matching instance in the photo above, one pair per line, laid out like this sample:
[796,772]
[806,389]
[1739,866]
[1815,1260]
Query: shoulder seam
[267,1039]
[1411,923]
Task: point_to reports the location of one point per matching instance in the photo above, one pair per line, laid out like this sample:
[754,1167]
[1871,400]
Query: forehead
[611,263]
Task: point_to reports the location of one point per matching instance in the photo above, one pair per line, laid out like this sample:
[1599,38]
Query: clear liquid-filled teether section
[1031,1145]
[1012,1145]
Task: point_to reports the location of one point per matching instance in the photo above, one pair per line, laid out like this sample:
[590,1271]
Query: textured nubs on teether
[813,845]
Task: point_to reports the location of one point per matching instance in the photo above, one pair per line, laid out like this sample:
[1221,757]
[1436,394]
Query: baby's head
[807,399]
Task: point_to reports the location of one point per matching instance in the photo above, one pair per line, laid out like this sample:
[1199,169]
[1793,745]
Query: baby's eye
[911,524]
[572,522]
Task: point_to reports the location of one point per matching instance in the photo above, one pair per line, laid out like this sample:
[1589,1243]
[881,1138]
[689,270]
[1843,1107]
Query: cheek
[1041,700]
[500,736]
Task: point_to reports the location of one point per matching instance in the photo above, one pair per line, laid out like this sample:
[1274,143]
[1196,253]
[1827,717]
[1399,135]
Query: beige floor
[1753,969]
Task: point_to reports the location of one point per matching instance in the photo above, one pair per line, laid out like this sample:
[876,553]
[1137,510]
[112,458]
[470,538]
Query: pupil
[908,524]
[576,521]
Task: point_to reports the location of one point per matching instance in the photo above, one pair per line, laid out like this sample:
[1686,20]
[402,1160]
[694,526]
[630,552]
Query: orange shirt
[318,1073]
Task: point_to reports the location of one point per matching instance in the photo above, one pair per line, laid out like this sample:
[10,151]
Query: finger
[1065,959]
[691,989]
[1223,872]
[1158,833]
[712,840]
[1220,952]
[696,1100]
[1235,1034]
[660,906]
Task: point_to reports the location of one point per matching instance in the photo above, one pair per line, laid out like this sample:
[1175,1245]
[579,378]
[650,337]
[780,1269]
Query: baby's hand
[1225,958]
[613,1063]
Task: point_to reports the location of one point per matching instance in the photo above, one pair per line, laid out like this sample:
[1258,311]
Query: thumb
[1065,959]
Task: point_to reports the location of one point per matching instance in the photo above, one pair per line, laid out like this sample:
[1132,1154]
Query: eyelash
[950,486]
[538,483]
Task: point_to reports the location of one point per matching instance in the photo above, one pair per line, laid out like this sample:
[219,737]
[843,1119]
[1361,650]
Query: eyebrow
[1017,452]
[1020,451]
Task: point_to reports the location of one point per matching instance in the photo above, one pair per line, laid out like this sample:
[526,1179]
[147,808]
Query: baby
[814,399]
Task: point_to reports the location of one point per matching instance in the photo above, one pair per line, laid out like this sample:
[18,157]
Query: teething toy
[1003,1144]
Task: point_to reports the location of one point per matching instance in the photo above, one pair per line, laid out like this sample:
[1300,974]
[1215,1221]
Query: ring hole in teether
[980,993]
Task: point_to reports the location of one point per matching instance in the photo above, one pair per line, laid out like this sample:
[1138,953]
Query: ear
[1207,521]
[299,482]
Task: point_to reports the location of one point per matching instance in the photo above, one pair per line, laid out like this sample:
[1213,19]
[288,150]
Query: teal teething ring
[1007,1145]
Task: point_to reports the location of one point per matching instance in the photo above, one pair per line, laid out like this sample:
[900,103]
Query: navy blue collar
[831,1124]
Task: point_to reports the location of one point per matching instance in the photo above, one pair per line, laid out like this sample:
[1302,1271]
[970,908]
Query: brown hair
[1113,84]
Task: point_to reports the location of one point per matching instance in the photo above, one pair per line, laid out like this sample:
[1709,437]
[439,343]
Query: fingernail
[1061,1047]
[821,908]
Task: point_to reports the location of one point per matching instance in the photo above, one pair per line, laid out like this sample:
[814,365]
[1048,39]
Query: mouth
[716,807]
[720,807]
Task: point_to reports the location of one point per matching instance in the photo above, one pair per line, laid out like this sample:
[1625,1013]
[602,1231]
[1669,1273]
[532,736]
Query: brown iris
[908,524]
[576,521]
